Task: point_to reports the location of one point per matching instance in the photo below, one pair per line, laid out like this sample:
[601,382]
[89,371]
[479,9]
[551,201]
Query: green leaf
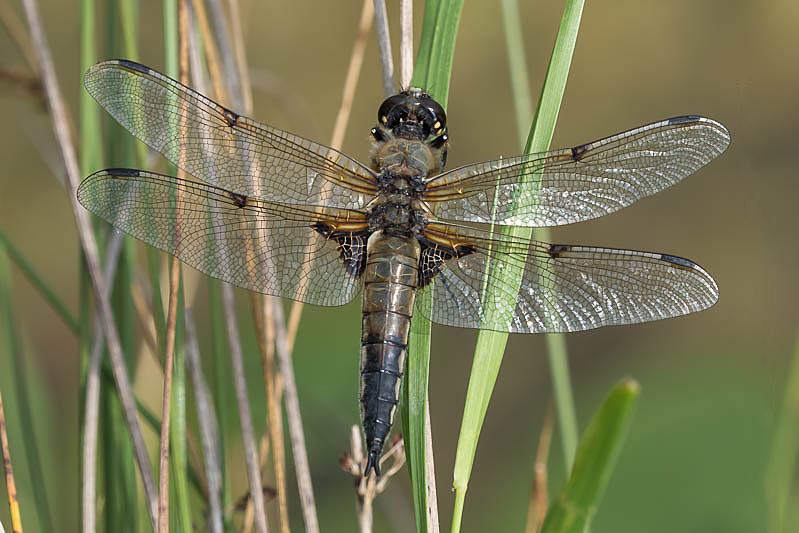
[575,505]
[431,72]
[490,345]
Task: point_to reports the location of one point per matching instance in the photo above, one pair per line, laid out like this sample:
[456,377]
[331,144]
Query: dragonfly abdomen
[390,281]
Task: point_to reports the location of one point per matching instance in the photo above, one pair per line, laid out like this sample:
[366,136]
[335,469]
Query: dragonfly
[273,212]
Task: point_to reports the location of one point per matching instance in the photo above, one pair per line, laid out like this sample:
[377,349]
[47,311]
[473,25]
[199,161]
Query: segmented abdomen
[390,281]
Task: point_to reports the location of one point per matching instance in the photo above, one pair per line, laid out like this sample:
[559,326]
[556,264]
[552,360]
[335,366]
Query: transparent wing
[580,183]
[262,246]
[563,287]
[222,148]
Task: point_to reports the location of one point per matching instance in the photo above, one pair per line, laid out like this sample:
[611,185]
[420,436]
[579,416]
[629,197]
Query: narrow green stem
[556,343]
[36,280]
[490,345]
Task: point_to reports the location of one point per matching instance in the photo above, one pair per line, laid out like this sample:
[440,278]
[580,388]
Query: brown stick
[11,488]
[172,310]
[539,500]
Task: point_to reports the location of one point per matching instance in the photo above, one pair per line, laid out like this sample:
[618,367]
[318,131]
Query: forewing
[222,148]
[563,287]
[580,183]
[276,249]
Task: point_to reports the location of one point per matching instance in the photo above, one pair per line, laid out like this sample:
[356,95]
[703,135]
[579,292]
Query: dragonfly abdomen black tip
[372,463]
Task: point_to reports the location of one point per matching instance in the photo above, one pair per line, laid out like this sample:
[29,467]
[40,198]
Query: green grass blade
[783,454]
[178,458]
[574,507]
[538,141]
[38,282]
[490,345]
[431,72]
[178,428]
[32,458]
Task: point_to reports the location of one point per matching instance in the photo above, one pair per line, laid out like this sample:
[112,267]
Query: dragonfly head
[413,114]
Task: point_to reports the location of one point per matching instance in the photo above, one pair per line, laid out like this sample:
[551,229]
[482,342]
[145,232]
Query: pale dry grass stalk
[406,42]
[256,499]
[539,499]
[92,398]
[11,487]
[384,45]
[211,52]
[66,144]
[367,488]
[340,125]
[264,331]
[245,417]
[172,312]
[209,429]
[16,30]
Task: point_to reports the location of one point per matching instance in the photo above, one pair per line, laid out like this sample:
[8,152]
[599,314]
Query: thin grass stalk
[170,31]
[20,378]
[274,422]
[211,52]
[66,145]
[406,42]
[209,430]
[11,487]
[120,496]
[90,158]
[255,508]
[240,57]
[16,30]
[556,342]
[539,495]
[232,53]
[384,46]
[303,471]
[340,126]
[490,345]
[245,418]
[431,72]
[38,283]
[92,400]
[224,42]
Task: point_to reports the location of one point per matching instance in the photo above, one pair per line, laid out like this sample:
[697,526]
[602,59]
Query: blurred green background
[711,383]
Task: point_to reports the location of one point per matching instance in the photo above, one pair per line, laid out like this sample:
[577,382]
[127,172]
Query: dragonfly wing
[223,148]
[314,255]
[579,183]
[562,287]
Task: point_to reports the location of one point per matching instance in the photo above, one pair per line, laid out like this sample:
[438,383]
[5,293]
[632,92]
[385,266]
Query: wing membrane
[563,287]
[257,245]
[580,183]
[222,148]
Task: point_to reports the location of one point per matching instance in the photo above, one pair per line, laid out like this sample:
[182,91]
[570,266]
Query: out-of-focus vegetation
[711,384]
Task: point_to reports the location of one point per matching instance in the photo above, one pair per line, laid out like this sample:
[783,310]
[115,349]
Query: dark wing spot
[433,257]
[239,199]
[123,172]
[579,151]
[556,249]
[351,247]
[679,262]
[685,119]
[230,117]
[132,65]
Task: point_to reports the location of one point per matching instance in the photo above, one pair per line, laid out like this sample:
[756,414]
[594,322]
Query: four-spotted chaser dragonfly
[279,214]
